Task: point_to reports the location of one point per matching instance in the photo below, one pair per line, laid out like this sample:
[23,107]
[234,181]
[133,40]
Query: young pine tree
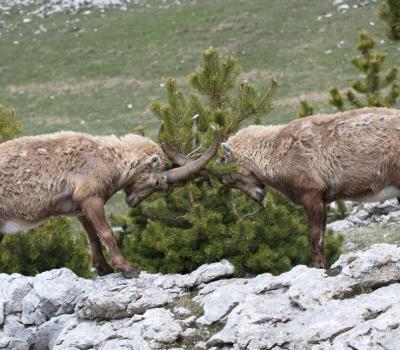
[369,63]
[53,245]
[389,12]
[50,246]
[9,125]
[305,109]
[202,220]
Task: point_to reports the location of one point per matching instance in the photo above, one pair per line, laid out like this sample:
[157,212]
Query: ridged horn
[193,167]
[176,157]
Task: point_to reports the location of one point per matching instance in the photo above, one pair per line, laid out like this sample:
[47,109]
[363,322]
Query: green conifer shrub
[202,220]
[389,12]
[9,125]
[305,109]
[372,87]
[52,245]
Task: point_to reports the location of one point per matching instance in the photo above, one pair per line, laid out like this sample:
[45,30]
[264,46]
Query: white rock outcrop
[353,306]
[368,213]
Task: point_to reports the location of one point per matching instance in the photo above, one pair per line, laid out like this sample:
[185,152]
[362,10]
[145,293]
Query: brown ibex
[70,173]
[319,159]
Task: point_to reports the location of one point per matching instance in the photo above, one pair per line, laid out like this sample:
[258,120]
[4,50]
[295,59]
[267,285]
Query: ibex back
[70,173]
[319,159]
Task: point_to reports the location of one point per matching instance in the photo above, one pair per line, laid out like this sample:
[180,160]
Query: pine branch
[305,109]
[353,99]
[171,221]
[336,99]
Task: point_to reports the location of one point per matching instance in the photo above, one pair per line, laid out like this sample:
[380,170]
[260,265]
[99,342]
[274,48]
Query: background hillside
[97,70]
[95,66]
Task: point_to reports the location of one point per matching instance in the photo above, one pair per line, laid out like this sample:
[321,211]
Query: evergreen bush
[374,82]
[203,221]
[52,245]
[389,12]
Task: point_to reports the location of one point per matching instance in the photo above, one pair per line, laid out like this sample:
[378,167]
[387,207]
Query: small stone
[343,8]
[200,346]
[188,332]
[340,225]
[182,311]
[362,214]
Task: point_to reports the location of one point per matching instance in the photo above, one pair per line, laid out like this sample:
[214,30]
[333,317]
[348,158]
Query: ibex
[319,159]
[74,174]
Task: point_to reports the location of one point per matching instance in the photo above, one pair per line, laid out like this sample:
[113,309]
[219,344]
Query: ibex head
[154,177]
[247,179]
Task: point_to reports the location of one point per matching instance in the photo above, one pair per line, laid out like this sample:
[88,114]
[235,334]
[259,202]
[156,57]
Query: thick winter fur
[37,172]
[316,160]
[69,173]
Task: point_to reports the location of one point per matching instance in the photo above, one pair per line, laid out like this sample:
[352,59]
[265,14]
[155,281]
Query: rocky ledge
[355,305]
[366,214]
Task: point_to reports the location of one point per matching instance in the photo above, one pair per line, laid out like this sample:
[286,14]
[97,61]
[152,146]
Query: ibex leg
[316,213]
[93,210]
[98,260]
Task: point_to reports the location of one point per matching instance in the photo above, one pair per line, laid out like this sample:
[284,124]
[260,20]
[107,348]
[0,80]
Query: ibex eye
[155,161]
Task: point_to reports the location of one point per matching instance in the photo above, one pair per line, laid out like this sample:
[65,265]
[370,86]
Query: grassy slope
[68,79]
[63,79]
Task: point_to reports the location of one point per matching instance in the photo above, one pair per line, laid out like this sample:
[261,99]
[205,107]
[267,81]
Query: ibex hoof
[106,270]
[132,273]
[318,264]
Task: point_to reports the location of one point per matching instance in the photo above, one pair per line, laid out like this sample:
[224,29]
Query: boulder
[340,225]
[352,305]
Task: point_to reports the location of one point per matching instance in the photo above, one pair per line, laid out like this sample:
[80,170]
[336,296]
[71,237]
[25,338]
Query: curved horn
[176,157]
[183,172]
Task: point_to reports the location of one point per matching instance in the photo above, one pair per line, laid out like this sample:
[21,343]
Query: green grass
[82,75]
[363,237]
[67,79]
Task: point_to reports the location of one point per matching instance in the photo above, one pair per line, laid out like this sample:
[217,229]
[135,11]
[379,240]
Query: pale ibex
[70,173]
[319,159]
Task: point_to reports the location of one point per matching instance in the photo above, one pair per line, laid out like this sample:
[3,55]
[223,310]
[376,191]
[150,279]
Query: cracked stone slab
[355,305]
[204,274]
[309,309]
[113,297]
[13,289]
[53,293]
[152,330]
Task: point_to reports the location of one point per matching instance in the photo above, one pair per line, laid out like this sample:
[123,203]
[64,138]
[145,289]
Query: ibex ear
[228,153]
[155,161]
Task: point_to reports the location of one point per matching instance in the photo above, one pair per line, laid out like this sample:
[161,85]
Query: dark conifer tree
[376,89]
[202,220]
[389,12]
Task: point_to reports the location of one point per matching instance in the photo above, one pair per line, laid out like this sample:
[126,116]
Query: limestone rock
[114,297]
[152,330]
[205,273]
[54,293]
[354,305]
[340,225]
